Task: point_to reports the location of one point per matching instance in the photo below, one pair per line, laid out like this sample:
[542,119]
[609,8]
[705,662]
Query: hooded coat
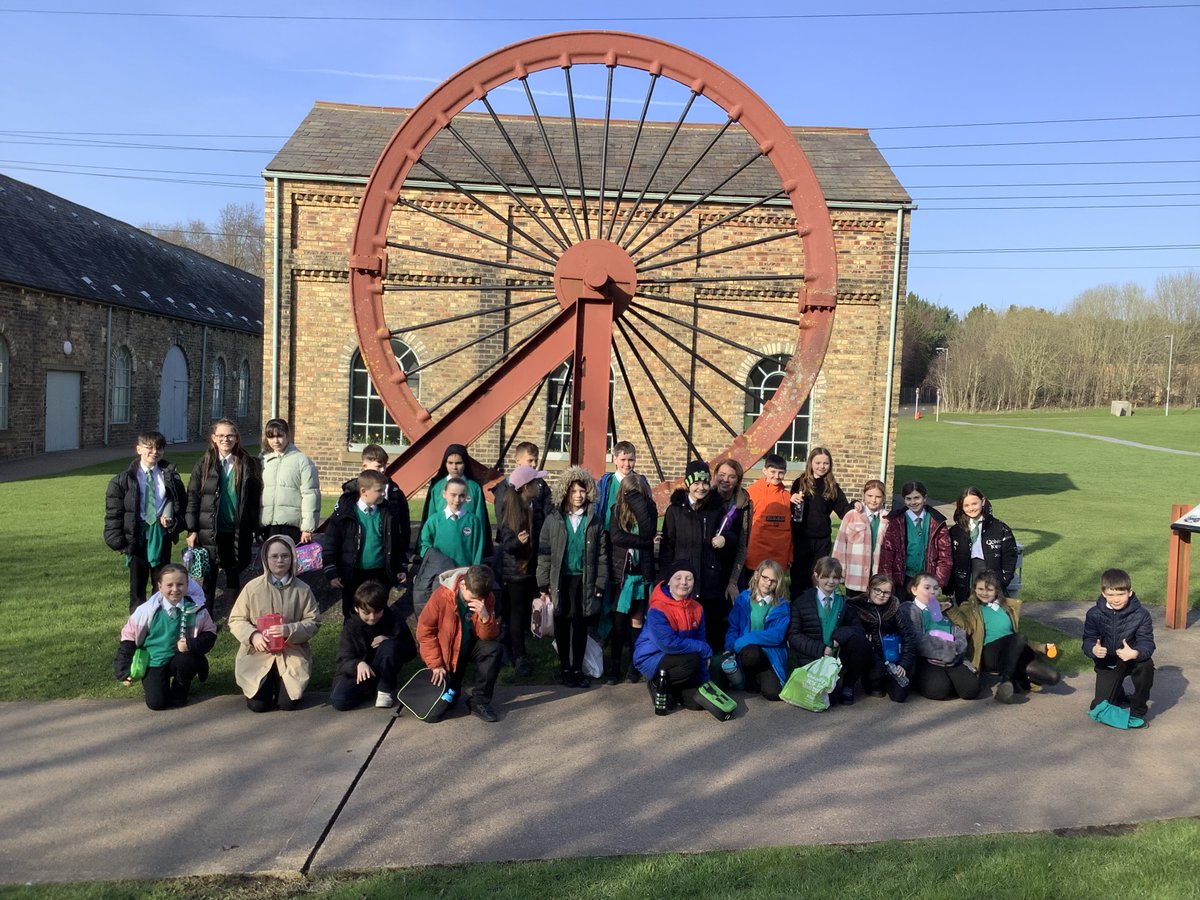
[552,549]
[439,629]
[672,626]
[298,606]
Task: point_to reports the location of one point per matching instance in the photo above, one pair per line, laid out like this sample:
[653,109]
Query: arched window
[3,384]
[122,379]
[370,422]
[764,379]
[244,390]
[560,435]
[218,388]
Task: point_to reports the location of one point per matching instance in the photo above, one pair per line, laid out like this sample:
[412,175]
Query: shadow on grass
[947,482]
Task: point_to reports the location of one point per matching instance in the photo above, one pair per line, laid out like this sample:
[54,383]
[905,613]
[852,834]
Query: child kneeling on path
[459,624]
[375,644]
[176,631]
[273,666]
[672,646]
[1118,636]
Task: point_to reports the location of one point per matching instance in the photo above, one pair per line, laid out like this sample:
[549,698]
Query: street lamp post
[1170,358]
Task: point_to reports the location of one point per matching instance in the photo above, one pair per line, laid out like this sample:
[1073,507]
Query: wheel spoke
[483,337]
[657,165]
[553,160]
[749,314]
[442,176]
[604,150]
[521,421]
[709,227]
[481,372]
[632,153]
[472,314]
[587,226]
[671,193]
[654,384]
[552,423]
[705,254]
[703,198]
[463,226]
[701,279]
[682,346]
[471,260]
[637,409]
[688,386]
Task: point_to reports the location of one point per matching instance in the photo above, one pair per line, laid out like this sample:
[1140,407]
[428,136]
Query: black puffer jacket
[687,536]
[880,620]
[1113,626]
[805,635]
[203,501]
[343,540]
[123,505]
[393,499]
[357,636]
[999,553]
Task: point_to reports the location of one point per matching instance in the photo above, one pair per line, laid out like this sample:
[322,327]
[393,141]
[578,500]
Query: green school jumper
[371,553]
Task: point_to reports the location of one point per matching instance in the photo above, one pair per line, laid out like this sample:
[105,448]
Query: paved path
[106,789]
[1094,437]
[44,464]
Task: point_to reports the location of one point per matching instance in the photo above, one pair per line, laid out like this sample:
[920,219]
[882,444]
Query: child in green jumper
[453,530]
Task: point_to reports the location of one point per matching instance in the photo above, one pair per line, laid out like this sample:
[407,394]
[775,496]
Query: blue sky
[933,89]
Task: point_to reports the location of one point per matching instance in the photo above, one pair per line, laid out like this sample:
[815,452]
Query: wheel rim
[589,279]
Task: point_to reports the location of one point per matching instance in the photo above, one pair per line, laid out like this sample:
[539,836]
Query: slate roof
[53,245]
[346,140]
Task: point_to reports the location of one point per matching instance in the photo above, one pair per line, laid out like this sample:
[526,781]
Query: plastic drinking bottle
[660,693]
[733,672]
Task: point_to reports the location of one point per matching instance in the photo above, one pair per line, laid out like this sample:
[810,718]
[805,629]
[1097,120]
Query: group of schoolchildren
[704,600]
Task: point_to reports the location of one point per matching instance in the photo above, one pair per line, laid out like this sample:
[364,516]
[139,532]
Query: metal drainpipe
[891,363]
[203,378]
[276,300]
[108,373]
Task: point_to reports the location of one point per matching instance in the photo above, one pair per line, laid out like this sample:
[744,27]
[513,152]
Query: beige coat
[295,601]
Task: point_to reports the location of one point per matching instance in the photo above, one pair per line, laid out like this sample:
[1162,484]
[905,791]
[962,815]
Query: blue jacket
[773,637]
[1112,626]
[672,626]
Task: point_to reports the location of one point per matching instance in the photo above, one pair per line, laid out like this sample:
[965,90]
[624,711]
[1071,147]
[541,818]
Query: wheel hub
[595,270]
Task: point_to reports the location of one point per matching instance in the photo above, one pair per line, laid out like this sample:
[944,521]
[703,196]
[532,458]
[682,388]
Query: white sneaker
[384,700]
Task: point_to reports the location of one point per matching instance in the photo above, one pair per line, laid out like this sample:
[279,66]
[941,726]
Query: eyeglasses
[768,579]
[225,437]
[880,592]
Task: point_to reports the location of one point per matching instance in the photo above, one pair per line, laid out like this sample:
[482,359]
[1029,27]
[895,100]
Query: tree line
[1112,342]
[235,238]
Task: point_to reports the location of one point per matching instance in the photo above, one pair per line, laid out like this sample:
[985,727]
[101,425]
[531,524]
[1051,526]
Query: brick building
[313,371]
[106,331]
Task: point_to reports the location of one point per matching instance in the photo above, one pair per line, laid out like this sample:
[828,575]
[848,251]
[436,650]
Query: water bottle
[891,648]
[661,697]
[733,672]
[448,696]
[894,669]
[798,512]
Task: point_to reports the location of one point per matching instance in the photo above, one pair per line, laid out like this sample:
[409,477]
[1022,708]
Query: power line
[1120,140]
[1038,122]
[1016,184]
[921,267]
[1062,206]
[1114,249]
[36,133]
[133,177]
[35,162]
[1059,197]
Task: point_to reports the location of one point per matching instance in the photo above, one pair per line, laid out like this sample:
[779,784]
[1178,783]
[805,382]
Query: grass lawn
[1153,860]
[1078,505]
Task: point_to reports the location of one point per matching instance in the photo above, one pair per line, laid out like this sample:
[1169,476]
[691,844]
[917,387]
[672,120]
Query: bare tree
[236,238]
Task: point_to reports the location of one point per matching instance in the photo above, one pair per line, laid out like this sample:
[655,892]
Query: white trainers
[384,700]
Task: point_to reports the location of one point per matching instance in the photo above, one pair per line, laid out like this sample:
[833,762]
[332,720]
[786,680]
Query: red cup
[274,642]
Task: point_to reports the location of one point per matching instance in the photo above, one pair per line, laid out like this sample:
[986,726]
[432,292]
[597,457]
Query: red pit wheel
[609,238]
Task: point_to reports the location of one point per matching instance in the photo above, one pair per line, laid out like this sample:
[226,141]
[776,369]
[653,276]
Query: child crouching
[175,629]
[375,643]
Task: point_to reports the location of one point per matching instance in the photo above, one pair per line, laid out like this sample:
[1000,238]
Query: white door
[173,397]
[62,410]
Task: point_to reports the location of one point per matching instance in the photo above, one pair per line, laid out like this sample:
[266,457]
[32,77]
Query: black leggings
[519,600]
[623,634]
[1008,656]
[754,662]
[878,678]
[271,694]
[944,682]
[168,685]
[223,556]
[683,671]
[570,628]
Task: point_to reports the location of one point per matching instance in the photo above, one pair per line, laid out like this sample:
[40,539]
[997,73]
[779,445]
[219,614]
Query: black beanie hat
[697,470]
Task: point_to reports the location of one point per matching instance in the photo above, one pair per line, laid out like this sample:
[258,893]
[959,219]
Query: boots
[1040,671]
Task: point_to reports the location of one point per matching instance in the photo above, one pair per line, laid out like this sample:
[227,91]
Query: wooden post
[1179,559]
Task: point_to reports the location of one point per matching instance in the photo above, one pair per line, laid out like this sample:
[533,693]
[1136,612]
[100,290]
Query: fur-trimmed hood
[565,479]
